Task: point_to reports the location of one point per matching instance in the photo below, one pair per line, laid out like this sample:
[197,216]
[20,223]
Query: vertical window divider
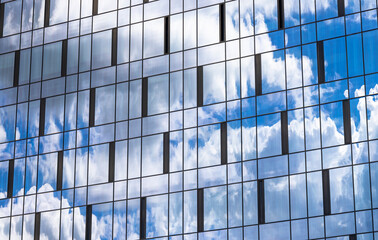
[341,7]
[281,14]
[47,13]
[42,113]
[143,217]
[223,143]
[166,153]
[114,46]
[167,35]
[199,86]
[222,22]
[200,210]
[326,192]
[111,161]
[258,75]
[59,181]
[10,178]
[347,123]
[144,97]
[261,201]
[321,70]
[88,222]
[16,69]
[92,107]
[37,225]
[284,133]
[2,8]
[95,7]
[64,58]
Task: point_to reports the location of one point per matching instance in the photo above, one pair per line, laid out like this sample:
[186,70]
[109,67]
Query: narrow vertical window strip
[143,217]
[281,14]
[166,153]
[47,13]
[326,192]
[200,86]
[111,161]
[261,201]
[92,107]
[64,58]
[42,112]
[2,7]
[353,237]
[222,25]
[200,210]
[10,178]
[347,122]
[88,223]
[95,7]
[16,72]
[321,71]
[144,97]
[341,7]
[224,143]
[114,46]
[37,225]
[284,133]
[59,181]
[167,35]
[258,75]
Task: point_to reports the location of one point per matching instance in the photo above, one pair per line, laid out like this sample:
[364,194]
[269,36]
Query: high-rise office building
[189,119]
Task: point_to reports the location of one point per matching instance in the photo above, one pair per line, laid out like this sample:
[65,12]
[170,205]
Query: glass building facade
[189,119]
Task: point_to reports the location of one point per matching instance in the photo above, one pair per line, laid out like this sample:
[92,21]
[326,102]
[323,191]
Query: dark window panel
[341,7]
[111,161]
[59,179]
[16,73]
[258,75]
[88,223]
[222,22]
[200,210]
[2,8]
[321,72]
[326,193]
[261,201]
[92,109]
[284,133]
[200,86]
[167,35]
[114,46]
[64,58]
[166,153]
[42,113]
[144,97]
[224,143]
[47,13]
[353,237]
[10,178]
[37,225]
[95,7]
[347,122]
[281,14]
[143,216]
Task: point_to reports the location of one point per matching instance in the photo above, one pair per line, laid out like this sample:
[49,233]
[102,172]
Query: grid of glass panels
[291,85]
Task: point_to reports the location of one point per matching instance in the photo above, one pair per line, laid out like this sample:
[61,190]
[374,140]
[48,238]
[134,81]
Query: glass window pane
[158,94]
[102,49]
[6,70]
[276,199]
